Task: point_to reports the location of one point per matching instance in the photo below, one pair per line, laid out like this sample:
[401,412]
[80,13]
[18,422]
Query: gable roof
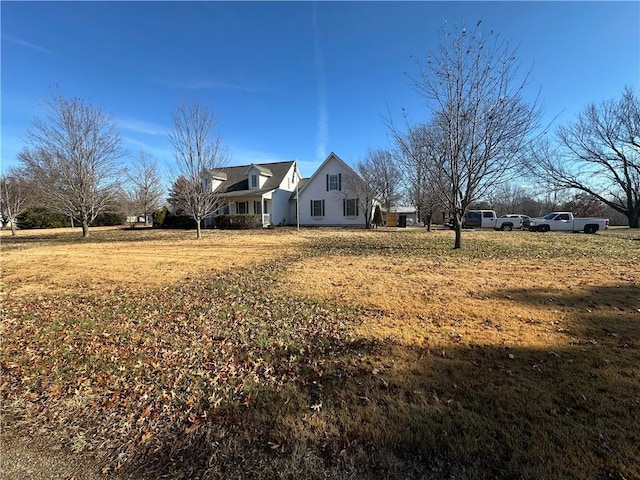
[237,180]
[301,184]
[331,156]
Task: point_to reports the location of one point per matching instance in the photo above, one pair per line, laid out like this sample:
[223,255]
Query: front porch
[239,203]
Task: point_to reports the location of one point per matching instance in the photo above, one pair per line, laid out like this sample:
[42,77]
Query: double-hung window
[257,207]
[317,208]
[243,208]
[254,181]
[334,182]
[350,207]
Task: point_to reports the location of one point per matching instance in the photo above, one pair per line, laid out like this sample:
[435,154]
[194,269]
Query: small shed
[401,217]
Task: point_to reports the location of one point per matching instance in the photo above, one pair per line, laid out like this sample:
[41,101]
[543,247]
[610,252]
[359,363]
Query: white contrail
[323,115]
[24,43]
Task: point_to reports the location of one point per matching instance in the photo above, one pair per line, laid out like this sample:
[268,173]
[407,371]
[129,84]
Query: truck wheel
[507,226]
[590,229]
[543,228]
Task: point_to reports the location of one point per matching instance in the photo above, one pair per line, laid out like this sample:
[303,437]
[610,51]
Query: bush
[159,216]
[108,219]
[178,221]
[41,217]
[238,222]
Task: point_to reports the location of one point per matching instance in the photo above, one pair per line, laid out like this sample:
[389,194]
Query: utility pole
[295,172]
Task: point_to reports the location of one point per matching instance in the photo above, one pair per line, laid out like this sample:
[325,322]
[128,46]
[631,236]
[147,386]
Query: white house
[334,196]
[258,189]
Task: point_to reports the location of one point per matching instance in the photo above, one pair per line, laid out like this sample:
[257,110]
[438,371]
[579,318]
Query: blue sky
[290,80]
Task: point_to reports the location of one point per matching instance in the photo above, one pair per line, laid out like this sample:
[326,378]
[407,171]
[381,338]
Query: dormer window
[257,176]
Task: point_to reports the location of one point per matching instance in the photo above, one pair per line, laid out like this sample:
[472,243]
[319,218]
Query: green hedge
[178,221]
[41,217]
[107,219]
[238,222]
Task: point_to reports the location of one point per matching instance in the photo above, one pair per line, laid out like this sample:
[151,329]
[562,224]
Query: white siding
[280,211]
[316,189]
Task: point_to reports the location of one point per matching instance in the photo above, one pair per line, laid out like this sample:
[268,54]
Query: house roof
[331,155]
[301,183]
[218,174]
[245,193]
[403,209]
[237,180]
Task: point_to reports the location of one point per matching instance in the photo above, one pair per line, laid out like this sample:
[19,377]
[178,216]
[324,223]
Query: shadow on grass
[481,413]
[383,410]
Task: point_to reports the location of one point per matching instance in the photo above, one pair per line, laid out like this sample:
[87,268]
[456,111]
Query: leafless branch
[73,158]
[197,152]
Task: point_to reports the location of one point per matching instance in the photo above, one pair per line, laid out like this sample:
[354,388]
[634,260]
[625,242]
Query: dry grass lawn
[57,260]
[327,353]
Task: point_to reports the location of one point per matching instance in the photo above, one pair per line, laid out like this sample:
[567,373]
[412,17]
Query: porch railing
[266,219]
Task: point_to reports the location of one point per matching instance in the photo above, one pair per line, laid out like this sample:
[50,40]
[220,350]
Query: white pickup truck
[564,221]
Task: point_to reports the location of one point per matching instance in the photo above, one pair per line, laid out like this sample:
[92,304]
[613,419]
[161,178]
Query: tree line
[71,168]
[478,140]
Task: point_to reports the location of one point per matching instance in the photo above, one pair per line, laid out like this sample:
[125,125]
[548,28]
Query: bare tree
[385,177]
[479,120]
[197,153]
[508,198]
[143,193]
[599,154]
[584,205]
[72,157]
[16,197]
[417,158]
[359,194]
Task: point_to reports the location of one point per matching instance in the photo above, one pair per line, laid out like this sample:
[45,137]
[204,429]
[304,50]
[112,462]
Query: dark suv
[469,220]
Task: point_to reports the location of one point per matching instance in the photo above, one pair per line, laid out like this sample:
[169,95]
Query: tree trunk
[13,227]
[428,222]
[634,219]
[457,224]
[198,229]
[85,229]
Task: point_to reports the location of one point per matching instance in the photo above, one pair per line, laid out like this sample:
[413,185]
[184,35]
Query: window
[487,214]
[317,208]
[350,207]
[243,208]
[257,207]
[334,182]
[254,181]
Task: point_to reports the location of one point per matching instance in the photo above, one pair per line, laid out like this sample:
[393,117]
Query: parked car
[511,221]
[559,221]
[475,219]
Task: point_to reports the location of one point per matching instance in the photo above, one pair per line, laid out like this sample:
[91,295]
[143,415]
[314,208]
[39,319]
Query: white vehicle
[476,219]
[510,221]
[564,221]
